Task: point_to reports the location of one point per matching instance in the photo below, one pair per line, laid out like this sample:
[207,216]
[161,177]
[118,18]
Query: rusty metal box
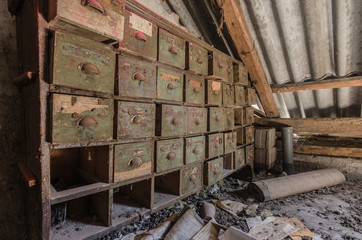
[241,74]
[229,118]
[135,120]
[249,134]
[194,89]
[228,94]
[169,84]
[132,160]
[171,120]
[169,154]
[197,59]
[229,161]
[239,158]
[249,154]
[81,119]
[136,77]
[171,49]
[240,96]
[191,178]
[196,120]
[81,63]
[194,149]
[214,92]
[251,96]
[215,145]
[216,119]
[229,142]
[213,171]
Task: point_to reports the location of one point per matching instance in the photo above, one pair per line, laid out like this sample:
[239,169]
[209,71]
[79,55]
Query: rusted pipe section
[287,144]
[294,184]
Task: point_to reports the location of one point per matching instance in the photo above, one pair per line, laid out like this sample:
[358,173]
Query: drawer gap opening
[167,188]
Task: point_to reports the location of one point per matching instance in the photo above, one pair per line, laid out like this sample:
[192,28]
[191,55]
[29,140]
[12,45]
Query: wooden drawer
[220,66]
[194,89]
[171,49]
[171,120]
[196,120]
[251,96]
[132,160]
[191,178]
[136,78]
[80,63]
[135,120]
[213,171]
[229,118]
[249,154]
[228,94]
[214,92]
[81,119]
[240,136]
[249,134]
[215,145]
[241,74]
[169,84]
[169,154]
[99,20]
[229,142]
[197,60]
[239,158]
[216,119]
[140,36]
[239,116]
[248,116]
[240,96]
[229,161]
[194,149]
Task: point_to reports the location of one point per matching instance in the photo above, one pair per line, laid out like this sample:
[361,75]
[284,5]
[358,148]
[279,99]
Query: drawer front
[213,171]
[251,96]
[169,154]
[228,94]
[140,36]
[240,136]
[171,49]
[132,160]
[83,64]
[136,78]
[229,70]
[198,59]
[216,119]
[239,116]
[249,134]
[240,96]
[173,121]
[215,143]
[194,149]
[249,116]
[229,142]
[81,119]
[135,120]
[99,21]
[229,118]
[249,154]
[214,92]
[196,120]
[218,67]
[239,158]
[169,84]
[240,74]
[191,178]
[194,89]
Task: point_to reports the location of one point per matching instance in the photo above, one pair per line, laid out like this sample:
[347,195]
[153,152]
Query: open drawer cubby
[167,188]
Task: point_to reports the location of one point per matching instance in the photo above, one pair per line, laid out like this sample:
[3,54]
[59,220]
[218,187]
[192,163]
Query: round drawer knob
[196,90]
[176,121]
[193,178]
[135,162]
[137,119]
[171,155]
[217,118]
[196,150]
[216,171]
[170,85]
[197,121]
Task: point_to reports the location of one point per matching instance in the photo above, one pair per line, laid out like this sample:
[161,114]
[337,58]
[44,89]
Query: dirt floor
[331,213]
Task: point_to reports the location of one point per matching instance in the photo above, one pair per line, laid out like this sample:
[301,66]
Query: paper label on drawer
[194,83]
[140,24]
[169,77]
[216,86]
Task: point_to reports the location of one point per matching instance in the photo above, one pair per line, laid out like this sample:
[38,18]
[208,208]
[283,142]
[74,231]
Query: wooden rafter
[235,21]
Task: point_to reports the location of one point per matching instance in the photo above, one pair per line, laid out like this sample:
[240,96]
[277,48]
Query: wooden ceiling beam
[235,21]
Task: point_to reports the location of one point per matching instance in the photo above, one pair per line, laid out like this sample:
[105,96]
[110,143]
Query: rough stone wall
[12,219]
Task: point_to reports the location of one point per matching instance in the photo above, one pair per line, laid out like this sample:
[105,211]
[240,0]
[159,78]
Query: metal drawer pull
[173,50]
[138,76]
[171,155]
[196,150]
[140,36]
[88,68]
[176,121]
[196,90]
[193,178]
[94,4]
[199,60]
[137,119]
[135,162]
[197,121]
[86,122]
[170,85]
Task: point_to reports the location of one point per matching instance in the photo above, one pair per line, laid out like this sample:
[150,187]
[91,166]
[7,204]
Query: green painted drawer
[229,161]
[169,154]
[132,160]
[191,178]
[228,94]
[239,116]
[249,154]
[214,92]
[229,118]
[239,158]
[240,74]
[171,49]
[251,96]
[140,36]
[196,120]
[248,116]
[216,119]
[80,63]
[81,119]
[218,66]
[197,59]
[136,77]
[229,142]
[213,171]
[240,98]
[194,149]
[169,84]
[249,134]
[171,120]
[194,89]
[135,120]
[215,145]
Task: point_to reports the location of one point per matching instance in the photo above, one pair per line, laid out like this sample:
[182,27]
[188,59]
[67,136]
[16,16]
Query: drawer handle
[197,121]
[215,92]
[217,118]
[88,68]
[86,122]
[135,162]
[139,76]
[173,50]
[94,4]
[171,155]
[200,60]
[170,85]
[216,171]
[137,119]
[193,178]
[196,90]
[176,121]
[217,145]
[140,36]
[220,66]
[196,150]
